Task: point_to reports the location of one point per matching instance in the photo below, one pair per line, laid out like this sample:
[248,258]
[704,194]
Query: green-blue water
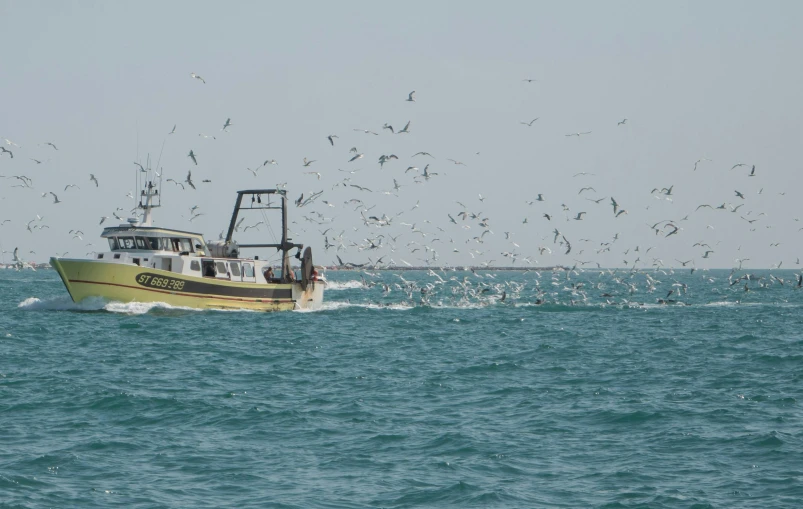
[446,397]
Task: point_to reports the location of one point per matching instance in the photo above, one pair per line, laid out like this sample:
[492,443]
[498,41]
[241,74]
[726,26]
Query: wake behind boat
[153,264]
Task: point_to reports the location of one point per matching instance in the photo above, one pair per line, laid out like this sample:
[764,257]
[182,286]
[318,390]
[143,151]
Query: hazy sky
[106,81]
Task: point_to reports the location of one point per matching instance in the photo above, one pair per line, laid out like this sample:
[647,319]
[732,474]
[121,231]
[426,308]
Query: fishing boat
[153,264]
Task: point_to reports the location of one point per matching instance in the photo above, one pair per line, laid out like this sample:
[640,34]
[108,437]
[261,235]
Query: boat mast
[152,201]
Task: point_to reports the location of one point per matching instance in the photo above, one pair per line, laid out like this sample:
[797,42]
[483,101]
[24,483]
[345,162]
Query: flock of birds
[366,228]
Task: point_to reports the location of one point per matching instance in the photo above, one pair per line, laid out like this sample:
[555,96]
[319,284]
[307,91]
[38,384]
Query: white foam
[344,285]
[62,303]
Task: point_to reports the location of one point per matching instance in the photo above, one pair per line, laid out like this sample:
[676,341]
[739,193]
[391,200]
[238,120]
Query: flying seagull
[5,150]
[48,143]
[331,139]
[198,77]
[55,198]
[307,163]
[174,129]
[579,134]
[191,155]
[623,122]
[227,124]
[530,123]
[406,129]
[411,96]
[188,180]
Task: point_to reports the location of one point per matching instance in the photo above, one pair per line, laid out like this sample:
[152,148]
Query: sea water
[411,389]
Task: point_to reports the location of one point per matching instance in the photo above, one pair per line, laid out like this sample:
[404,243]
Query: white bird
[307,163]
[174,129]
[198,77]
[71,185]
[411,96]
[406,128]
[227,124]
[55,198]
[358,156]
[191,155]
[579,134]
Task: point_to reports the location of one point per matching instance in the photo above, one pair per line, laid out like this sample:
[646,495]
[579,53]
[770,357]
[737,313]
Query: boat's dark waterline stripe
[183,294]
[147,280]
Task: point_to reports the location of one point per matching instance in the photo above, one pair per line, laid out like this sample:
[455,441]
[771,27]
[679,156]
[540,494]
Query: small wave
[61,303]
[334,306]
[64,303]
[344,285]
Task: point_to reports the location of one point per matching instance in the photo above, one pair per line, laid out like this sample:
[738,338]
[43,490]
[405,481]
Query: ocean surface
[411,389]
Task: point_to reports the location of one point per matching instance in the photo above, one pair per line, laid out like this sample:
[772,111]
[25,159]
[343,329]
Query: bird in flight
[331,139]
[48,143]
[93,179]
[174,129]
[313,173]
[579,216]
[358,156]
[699,161]
[424,154]
[406,128]
[366,131]
[55,198]
[227,124]
[307,163]
[740,195]
[528,80]
[623,122]
[753,171]
[188,180]
[198,77]
[4,150]
[191,155]
[579,134]
[411,96]
[530,123]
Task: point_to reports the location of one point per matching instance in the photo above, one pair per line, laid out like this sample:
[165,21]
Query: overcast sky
[720,81]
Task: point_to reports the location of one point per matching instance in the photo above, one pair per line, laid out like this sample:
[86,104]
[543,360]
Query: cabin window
[186,245]
[195,265]
[100,256]
[153,243]
[164,244]
[175,245]
[117,256]
[235,269]
[136,261]
[141,244]
[209,268]
[126,242]
[113,244]
[221,268]
[248,270]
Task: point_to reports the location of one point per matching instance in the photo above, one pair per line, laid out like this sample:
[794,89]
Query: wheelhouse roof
[131,230]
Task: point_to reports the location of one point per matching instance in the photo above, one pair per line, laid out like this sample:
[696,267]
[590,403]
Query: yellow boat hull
[132,283]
